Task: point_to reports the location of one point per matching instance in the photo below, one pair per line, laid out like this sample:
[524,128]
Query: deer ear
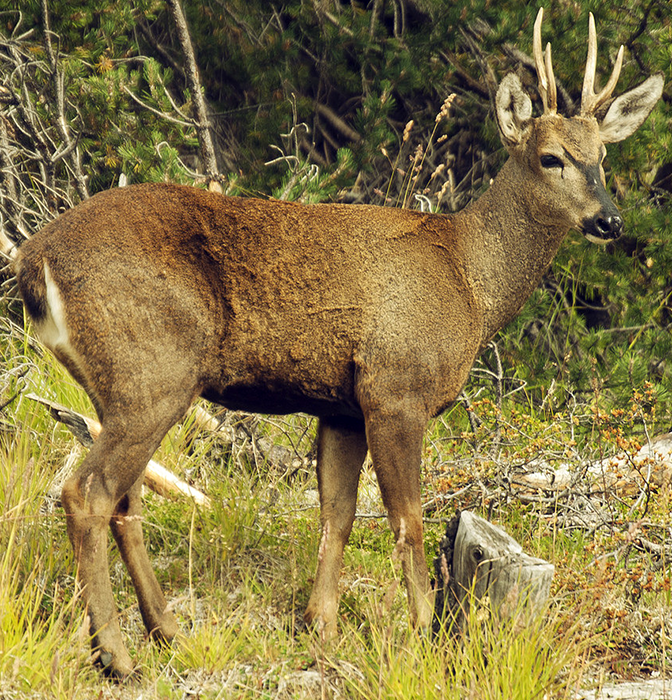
[513,109]
[629,110]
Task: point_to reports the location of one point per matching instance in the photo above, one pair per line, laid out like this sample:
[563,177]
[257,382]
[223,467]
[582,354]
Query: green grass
[239,574]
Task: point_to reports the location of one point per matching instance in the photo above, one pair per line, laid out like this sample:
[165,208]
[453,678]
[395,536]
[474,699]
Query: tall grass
[489,661]
[238,575]
[42,637]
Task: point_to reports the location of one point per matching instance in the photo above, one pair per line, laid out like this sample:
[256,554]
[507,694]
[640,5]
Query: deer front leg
[341,450]
[395,442]
[126,526]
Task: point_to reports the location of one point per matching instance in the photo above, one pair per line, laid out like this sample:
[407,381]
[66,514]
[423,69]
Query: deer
[368,318]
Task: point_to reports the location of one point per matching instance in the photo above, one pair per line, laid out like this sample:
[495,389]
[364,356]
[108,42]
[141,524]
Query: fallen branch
[662,552]
[622,474]
[157,477]
[7,246]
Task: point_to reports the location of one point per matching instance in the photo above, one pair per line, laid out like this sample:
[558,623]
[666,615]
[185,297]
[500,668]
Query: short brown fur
[366,317]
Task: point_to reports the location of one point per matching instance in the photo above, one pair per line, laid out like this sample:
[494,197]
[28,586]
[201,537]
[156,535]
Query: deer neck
[508,242]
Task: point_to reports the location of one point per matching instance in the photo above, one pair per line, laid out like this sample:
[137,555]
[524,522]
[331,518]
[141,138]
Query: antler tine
[589,100]
[605,94]
[588,93]
[539,58]
[547,88]
[552,89]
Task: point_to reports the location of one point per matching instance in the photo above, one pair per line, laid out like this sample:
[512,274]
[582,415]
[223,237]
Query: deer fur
[369,318]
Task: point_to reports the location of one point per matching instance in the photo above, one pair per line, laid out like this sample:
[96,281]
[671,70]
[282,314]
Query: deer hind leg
[340,455]
[126,526]
[106,485]
[395,443]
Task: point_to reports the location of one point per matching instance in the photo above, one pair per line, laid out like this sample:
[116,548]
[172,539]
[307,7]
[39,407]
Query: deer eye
[549,161]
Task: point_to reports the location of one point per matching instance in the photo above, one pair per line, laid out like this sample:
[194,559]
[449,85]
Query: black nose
[603,228]
[609,228]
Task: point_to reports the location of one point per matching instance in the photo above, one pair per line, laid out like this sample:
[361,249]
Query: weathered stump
[478,559]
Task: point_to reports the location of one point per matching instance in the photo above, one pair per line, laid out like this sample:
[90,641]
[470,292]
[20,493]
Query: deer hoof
[325,629]
[116,669]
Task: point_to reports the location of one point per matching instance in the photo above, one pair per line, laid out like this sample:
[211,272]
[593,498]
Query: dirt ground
[636,690]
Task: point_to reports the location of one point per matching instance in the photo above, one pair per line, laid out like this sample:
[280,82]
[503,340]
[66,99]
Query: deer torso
[287,302]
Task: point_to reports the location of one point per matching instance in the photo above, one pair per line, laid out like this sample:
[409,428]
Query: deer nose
[610,227]
[603,229]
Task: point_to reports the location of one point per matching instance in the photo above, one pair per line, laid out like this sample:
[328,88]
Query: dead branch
[663,553]
[337,122]
[70,149]
[38,149]
[157,477]
[202,123]
[7,247]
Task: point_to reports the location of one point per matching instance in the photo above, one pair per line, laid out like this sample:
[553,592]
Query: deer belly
[279,398]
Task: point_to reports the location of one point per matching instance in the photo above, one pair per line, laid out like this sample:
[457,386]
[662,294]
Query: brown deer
[368,318]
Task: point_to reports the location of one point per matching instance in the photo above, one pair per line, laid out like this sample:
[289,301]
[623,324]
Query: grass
[239,575]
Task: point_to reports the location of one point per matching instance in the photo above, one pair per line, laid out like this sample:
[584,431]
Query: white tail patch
[53,331]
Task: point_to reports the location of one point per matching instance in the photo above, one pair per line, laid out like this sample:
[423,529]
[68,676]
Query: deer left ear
[629,110]
[514,111]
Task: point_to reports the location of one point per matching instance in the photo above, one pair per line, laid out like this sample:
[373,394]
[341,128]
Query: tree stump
[477,560]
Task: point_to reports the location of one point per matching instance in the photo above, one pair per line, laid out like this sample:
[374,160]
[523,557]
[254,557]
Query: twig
[474,421]
[336,23]
[158,112]
[202,122]
[444,498]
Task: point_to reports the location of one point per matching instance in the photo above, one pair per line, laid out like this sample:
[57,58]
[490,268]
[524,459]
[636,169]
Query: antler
[589,100]
[547,89]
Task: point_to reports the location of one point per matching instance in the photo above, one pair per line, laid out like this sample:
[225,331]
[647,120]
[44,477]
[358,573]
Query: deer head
[566,153]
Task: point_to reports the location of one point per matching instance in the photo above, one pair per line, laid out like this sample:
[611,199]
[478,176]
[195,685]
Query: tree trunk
[478,561]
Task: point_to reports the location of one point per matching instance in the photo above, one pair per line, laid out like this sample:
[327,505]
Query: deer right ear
[628,111]
[514,111]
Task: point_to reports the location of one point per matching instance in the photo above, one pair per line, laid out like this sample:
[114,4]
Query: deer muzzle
[606,226]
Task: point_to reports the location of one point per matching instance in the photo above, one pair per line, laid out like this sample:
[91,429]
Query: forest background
[340,101]
[310,101]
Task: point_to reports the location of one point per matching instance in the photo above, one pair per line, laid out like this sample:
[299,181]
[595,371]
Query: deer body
[271,326]
[366,317]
